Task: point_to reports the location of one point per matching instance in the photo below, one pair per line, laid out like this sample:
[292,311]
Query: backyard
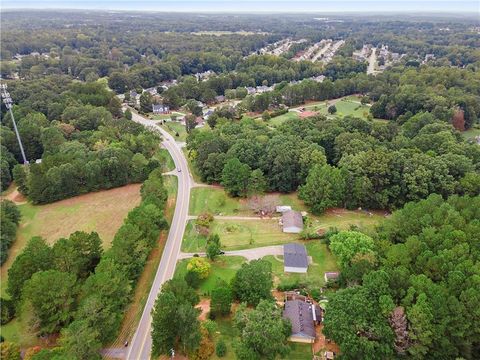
[322,261]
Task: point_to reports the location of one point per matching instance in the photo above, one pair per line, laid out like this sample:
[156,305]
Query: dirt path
[16,197]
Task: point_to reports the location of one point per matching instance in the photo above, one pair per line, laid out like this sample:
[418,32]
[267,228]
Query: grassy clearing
[166,116]
[216,201]
[471,134]
[102,211]
[224,268]
[343,219]
[237,234]
[279,120]
[175,128]
[322,261]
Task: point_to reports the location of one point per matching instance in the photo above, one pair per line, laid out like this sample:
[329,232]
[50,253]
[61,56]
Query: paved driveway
[249,254]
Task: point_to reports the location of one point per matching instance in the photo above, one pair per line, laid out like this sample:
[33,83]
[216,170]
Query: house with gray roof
[302,316]
[292,222]
[295,258]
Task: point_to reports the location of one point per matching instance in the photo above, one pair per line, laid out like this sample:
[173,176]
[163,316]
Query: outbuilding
[292,222]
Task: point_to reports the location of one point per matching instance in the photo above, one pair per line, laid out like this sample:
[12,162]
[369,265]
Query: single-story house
[292,222]
[152,91]
[295,258]
[251,90]
[282,208]
[301,315]
[160,109]
[331,276]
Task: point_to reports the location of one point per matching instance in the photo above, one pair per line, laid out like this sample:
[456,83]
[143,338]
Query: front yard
[237,234]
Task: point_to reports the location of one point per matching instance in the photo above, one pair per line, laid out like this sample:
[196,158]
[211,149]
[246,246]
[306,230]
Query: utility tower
[7,100]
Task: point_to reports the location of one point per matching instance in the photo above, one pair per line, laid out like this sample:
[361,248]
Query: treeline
[342,162]
[443,91]
[9,219]
[412,291]
[252,71]
[450,94]
[79,133]
[76,288]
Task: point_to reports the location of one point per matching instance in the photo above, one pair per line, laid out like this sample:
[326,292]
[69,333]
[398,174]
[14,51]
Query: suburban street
[141,344]
[372,61]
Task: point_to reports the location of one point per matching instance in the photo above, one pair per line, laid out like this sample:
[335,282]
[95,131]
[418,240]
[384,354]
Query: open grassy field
[167,116]
[175,128]
[237,234]
[278,120]
[223,268]
[471,133]
[216,201]
[322,261]
[102,211]
[342,219]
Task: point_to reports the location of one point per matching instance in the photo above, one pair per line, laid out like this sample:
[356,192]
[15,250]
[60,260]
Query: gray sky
[249,6]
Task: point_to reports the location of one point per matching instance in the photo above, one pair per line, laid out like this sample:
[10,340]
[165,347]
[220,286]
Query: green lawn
[224,268]
[165,158]
[322,261]
[471,134]
[215,201]
[278,120]
[237,234]
[166,116]
[175,128]
[342,219]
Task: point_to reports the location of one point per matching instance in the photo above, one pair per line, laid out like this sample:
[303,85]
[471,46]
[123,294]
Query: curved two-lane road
[141,344]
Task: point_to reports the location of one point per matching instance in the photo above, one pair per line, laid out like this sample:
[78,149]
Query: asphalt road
[141,344]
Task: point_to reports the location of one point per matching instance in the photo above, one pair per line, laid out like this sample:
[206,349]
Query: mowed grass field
[322,261]
[222,269]
[471,134]
[237,234]
[216,201]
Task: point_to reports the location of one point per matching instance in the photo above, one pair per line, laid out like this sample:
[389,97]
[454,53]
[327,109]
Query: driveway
[249,254]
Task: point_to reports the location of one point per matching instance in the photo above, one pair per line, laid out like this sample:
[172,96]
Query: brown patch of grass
[102,211]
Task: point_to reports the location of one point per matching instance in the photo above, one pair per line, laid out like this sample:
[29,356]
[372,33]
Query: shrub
[221,348]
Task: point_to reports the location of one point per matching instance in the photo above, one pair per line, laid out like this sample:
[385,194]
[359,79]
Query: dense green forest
[415,293]
[79,133]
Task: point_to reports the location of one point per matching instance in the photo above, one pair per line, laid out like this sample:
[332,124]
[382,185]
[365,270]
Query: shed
[292,222]
[295,258]
[282,208]
[300,314]
[331,276]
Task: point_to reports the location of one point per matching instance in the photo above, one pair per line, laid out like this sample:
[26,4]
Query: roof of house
[292,218]
[159,107]
[295,255]
[300,315]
